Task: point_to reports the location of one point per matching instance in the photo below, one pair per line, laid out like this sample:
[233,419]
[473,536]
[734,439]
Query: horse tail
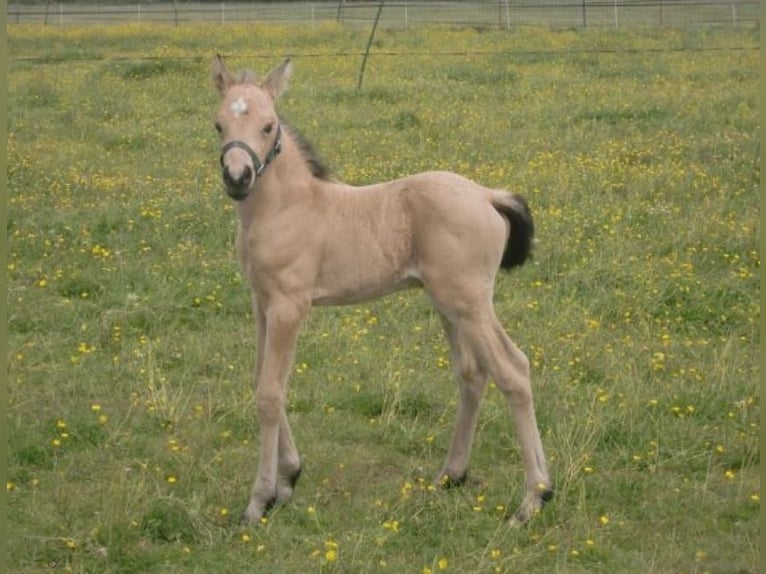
[518,247]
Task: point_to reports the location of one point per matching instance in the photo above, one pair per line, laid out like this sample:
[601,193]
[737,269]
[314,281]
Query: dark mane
[315,163]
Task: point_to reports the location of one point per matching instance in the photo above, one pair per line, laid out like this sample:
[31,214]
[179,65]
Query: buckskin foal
[305,239]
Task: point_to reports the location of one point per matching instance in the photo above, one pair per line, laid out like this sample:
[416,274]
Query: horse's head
[251,136]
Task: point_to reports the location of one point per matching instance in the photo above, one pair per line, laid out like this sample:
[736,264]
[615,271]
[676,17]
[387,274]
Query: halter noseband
[257,164]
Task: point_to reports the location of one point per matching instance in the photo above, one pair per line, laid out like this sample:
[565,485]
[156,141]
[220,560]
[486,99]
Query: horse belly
[352,276]
[366,293]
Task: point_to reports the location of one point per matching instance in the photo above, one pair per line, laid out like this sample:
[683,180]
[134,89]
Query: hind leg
[509,368]
[468,307]
[517,389]
[472,379]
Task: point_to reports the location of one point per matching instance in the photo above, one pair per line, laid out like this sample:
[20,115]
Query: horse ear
[222,78]
[276,81]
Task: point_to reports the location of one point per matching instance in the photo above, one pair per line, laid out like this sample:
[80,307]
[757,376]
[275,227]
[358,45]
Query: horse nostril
[247,175]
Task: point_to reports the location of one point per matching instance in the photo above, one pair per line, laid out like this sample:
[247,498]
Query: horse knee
[269,406]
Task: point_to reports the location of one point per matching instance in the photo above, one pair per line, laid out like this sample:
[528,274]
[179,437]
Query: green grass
[132,428]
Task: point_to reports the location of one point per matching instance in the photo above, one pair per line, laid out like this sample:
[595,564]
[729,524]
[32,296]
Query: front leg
[289,461]
[279,322]
[289,464]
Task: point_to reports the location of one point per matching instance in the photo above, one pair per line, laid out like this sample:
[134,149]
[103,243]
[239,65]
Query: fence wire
[502,14]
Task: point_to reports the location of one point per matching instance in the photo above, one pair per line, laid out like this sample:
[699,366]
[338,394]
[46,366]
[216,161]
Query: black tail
[519,246]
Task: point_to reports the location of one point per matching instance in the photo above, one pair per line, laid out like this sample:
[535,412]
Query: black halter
[257,164]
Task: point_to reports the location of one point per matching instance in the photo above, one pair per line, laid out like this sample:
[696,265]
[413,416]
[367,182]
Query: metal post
[369,44]
[504,6]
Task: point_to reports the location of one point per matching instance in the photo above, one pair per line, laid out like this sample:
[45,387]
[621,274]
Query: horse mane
[316,165]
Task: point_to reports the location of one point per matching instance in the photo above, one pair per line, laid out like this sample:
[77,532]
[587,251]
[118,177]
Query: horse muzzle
[238,184]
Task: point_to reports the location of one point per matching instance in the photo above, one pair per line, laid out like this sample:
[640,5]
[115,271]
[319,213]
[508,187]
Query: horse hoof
[254,513]
[531,506]
[448,482]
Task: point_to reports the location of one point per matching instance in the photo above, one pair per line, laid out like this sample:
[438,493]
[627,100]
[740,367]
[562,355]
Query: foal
[306,240]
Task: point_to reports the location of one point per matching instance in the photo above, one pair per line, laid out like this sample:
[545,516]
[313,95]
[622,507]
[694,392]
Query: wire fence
[402,14]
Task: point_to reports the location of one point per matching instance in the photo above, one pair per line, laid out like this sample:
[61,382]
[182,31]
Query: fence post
[503,6]
[223,13]
[584,16]
[369,43]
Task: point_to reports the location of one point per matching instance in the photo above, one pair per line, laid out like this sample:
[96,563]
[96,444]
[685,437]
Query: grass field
[132,431]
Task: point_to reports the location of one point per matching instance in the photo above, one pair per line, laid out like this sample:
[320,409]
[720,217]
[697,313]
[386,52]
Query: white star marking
[238,107]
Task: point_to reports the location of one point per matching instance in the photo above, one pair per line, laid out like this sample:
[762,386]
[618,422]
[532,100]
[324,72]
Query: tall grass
[132,427]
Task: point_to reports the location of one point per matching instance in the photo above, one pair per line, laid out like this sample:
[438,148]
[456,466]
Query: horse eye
[268,128]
